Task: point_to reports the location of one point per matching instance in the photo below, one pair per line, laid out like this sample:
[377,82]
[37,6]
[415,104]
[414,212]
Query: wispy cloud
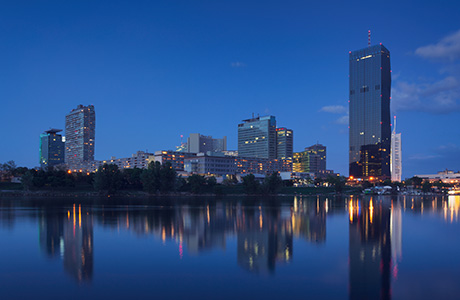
[339,110]
[334,109]
[423,157]
[343,120]
[447,48]
[440,97]
[237,64]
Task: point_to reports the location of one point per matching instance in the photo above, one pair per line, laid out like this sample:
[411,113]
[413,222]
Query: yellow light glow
[79,215]
[350,210]
[371,211]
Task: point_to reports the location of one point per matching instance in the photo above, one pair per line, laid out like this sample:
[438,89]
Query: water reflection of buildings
[264,233]
[370,249]
[264,238]
[446,206]
[69,235]
[309,219]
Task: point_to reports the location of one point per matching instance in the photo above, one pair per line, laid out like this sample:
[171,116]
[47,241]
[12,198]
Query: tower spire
[368,38]
[394,124]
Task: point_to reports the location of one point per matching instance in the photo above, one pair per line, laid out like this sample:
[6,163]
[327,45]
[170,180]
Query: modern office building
[284,143]
[52,148]
[222,165]
[197,143]
[311,160]
[80,128]
[396,162]
[370,132]
[257,137]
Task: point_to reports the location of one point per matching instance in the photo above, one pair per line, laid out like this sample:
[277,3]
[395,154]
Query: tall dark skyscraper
[51,148]
[370,131]
[80,131]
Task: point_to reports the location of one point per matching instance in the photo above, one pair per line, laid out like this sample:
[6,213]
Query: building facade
[176,159]
[311,160]
[52,148]
[231,165]
[80,129]
[197,143]
[446,176]
[396,156]
[257,137]
[284,143]
[370,131]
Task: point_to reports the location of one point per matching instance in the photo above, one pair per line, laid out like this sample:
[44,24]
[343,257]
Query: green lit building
[51,148]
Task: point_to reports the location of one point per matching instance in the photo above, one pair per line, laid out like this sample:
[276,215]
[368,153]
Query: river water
[232,248]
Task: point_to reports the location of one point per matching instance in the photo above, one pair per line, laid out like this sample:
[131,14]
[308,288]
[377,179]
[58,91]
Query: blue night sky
[157,69]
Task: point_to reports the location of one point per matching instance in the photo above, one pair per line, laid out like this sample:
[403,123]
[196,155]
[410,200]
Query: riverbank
[232,191]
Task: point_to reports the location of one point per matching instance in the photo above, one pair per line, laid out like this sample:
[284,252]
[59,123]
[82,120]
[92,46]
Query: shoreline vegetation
[156,180]
[161,180]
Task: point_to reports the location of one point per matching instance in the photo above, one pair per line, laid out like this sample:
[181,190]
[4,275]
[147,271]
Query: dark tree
[426,186]
[150,177]
[107,178]
[197,183]
[251,185]
[272,183]
[338,182]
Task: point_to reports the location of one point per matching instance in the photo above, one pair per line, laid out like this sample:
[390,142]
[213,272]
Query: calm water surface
[242,248]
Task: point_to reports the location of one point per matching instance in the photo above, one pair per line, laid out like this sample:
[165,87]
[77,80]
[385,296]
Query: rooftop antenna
[368,38]
[394,124]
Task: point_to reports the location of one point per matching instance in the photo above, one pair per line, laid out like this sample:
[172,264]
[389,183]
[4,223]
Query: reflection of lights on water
[395,271]
[371,210]
[350,209]
[79,215]
[454,205]
[61,246]
[74,220]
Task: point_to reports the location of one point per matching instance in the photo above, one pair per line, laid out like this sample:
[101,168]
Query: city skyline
[144,69]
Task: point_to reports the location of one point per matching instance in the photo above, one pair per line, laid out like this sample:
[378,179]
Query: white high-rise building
[396,163]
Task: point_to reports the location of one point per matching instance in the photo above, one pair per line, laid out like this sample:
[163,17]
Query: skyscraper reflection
[370,249]
[78,244]
[264,238]
[264,231]
[69,235]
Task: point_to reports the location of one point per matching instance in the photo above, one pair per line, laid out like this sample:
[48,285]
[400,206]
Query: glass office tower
[284,143]
[51,148]
[370,131]
[257,137]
